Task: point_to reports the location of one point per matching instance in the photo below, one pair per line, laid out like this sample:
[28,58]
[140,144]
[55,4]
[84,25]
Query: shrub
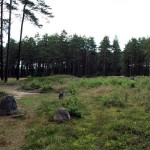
[32,85]
[72,89]
[131,84]
[90,83]
[73,106]
[95,82]
[115,81]
[46,88]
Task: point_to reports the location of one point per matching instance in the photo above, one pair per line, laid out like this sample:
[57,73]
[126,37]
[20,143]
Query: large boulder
[62,115]
[8,106]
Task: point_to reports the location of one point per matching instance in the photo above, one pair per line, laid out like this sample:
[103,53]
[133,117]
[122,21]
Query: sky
[125,19]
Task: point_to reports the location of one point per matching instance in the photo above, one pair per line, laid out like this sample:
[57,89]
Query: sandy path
[15,91]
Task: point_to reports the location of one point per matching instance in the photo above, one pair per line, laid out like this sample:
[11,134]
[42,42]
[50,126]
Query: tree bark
[1,42]
[19,50]
[8,44]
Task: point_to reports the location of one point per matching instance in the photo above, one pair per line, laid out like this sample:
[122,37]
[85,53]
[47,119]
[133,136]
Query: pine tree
[105,56]
[8,43]
[29,10]
[116,58]
[1,40]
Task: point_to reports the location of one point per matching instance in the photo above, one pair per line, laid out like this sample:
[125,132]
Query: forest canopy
[79,56]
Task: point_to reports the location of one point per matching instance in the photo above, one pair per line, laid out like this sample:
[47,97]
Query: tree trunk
[1,42]
[8,44]
[86,60]
[104,68]
[78,65]
[21,30]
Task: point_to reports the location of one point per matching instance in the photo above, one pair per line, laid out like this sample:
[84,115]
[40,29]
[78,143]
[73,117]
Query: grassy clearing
[107,113]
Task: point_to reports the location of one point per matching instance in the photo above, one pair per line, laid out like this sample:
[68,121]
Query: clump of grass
[114,81]
[90,83]
[121,82]
[145,82]
[72,89]
[113,100]
[35,84]
[32,85]
[46,88]
[44,84]
[73,106]
[130,84]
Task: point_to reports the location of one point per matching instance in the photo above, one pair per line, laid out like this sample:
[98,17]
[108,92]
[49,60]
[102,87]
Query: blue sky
[97,18]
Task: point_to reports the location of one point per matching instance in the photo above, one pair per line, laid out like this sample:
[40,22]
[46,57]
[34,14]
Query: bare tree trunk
[1,41]
[19,51]
[8,44]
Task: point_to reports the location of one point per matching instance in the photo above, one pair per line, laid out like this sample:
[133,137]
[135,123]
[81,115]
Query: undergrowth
[114,100]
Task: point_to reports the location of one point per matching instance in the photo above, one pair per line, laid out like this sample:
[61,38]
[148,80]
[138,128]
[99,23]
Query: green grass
[113,100]
[106,113]
[110,81]
[73,105]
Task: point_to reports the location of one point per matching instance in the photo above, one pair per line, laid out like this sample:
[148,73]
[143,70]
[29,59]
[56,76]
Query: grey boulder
[8,106]
[62,115]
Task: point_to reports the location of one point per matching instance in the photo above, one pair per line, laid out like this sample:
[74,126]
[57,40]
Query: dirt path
[13,131]
[15,91]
